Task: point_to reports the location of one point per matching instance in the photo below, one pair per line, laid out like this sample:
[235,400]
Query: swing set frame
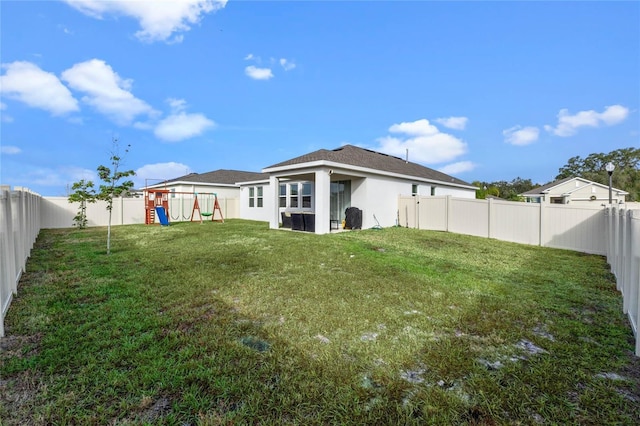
[160,198]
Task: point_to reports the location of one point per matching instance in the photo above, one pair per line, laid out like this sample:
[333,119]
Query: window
[256,196]
[433,191]
[293,195]
[414,189]
[306,195]
[173,193]
[283,195]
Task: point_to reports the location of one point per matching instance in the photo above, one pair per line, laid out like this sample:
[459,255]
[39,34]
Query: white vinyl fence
[19,228]
[623,254]
[571,227]
[57,212]
[610,231]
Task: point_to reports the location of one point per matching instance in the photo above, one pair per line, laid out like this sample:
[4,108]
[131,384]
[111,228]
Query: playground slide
[162,216]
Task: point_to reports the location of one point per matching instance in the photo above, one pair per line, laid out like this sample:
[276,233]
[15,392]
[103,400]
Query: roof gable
[350,155]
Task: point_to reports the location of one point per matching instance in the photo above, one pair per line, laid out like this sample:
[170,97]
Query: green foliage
[504,189]
[113,186]
[83,193]
[626,175]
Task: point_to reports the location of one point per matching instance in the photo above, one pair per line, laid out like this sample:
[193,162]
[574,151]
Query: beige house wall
[584,192]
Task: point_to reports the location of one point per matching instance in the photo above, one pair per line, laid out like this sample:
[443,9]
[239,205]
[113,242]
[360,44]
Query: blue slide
[162,216]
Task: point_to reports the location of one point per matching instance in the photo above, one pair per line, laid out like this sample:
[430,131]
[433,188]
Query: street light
[609,168]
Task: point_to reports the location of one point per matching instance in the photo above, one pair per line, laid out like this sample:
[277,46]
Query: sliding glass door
[340,199]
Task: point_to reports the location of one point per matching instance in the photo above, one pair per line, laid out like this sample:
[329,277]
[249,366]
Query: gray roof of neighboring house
[223,177]
[540,190]
[360,157]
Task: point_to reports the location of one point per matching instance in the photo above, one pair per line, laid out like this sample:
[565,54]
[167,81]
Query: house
[324,183]
[574,190]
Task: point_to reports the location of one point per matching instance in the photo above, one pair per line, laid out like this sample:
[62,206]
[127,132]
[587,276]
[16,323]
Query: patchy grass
[235,324]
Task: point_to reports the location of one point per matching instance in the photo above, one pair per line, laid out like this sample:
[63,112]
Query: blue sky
[480,90]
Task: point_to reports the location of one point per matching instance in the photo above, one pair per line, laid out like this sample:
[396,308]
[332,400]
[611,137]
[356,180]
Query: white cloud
[159,171]
[60,176]
[106,91]
[456,123]
[415,128]
[520,136]
[158,19]
[27,83]
[248,57]
[459,167]
[258,73]
[426,144]
[181,125]
[286,64]
[10,150]
[568,124]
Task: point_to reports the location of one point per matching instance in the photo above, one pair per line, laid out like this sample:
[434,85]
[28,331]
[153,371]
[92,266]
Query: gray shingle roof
[224,177]
[540,190]
[360,157]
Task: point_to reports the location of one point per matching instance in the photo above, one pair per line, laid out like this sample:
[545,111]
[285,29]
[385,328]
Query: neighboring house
[224,183]
[574,190]
[326,182]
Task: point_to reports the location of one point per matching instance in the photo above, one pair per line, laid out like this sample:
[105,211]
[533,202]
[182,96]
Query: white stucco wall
[378,195]
[257,213]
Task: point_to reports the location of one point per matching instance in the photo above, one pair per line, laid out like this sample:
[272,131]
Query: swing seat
[206,214]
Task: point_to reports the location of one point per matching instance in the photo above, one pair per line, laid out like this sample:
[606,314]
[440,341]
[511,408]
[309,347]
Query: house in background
[322,185]
[574,190]
[223,183]
[325,183]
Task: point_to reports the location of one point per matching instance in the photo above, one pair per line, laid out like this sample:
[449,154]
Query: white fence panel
[623,254]
[515,222]
[468,216]
[432,213]
[577,228]
[19,228]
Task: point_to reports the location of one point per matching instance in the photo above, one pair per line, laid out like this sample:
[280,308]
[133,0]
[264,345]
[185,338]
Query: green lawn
[237,324]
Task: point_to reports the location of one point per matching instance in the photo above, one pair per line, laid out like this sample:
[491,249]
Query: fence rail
[19,228]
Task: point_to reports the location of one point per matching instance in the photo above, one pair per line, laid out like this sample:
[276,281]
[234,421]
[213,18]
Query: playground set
[158,201]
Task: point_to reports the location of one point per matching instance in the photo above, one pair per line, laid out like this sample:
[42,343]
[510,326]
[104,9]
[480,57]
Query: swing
[211,205]
[208,212]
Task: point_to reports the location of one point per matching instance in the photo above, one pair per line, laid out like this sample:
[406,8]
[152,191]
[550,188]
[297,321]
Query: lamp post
[609,168]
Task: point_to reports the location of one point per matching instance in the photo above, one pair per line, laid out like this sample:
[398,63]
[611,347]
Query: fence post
[620,248]
[624,260]
[448,211]
[634,274]
[541,234]
[489,214]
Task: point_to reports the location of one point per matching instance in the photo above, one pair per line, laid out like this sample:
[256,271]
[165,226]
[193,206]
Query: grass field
[236,324]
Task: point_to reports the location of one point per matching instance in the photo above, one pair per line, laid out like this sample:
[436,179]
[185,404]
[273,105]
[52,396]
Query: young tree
[83,193]
[113,187]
